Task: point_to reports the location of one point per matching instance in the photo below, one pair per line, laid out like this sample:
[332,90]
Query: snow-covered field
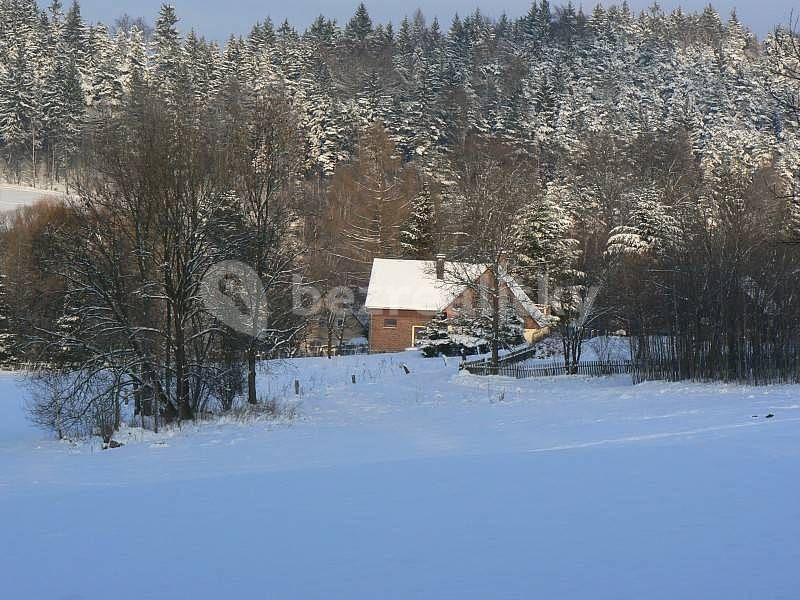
[427,485]
[12,197]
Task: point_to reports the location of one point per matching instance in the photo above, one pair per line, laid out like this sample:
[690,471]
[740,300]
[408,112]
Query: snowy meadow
[432,484]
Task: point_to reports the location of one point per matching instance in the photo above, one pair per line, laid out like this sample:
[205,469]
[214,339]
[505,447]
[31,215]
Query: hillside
[548,82]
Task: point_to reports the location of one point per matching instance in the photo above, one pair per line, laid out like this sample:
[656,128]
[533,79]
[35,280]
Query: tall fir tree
[418,234]
[20,118]
[63,110]
[360,25]
[75,35]
[167,52]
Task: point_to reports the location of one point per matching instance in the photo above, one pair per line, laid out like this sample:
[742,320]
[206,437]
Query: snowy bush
[467,335]
[549,347]
[444,337]
[269,409]
[76,404]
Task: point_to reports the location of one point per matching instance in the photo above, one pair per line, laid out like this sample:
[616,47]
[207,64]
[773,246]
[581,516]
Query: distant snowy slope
[12,197]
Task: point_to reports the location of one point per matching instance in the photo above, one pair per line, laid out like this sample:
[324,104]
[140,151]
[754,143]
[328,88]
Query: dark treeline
[637,171]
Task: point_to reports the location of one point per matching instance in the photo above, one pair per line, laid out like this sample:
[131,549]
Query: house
[404,295]
[341,332]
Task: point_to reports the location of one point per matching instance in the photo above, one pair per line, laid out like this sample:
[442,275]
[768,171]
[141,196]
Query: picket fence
[520,370]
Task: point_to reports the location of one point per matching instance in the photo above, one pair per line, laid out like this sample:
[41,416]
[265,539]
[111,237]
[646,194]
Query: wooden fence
[670,358]
[522,370]
[685,358]
[523,364]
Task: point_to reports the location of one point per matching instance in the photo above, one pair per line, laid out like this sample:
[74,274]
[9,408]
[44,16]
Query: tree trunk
[495,323]
[33,153]
[252,397]
[185,411]
[168,354]
[330,338]
[117,407]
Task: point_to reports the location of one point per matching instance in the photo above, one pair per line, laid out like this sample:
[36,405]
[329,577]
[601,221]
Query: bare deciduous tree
[494,184]
[265,155]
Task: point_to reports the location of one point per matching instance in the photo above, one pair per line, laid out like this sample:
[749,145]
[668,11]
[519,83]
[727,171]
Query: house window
[390,323]
[415,332]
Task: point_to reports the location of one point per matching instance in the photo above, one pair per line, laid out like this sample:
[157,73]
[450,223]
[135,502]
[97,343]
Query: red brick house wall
[385,338]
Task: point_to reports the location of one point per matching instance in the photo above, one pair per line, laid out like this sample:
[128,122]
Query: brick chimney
[440,258]
[502,261]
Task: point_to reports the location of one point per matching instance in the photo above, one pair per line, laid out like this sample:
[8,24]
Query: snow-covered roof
[411,285]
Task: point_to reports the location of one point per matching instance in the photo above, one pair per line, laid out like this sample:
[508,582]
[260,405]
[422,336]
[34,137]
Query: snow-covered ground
[13,197]
[431,485]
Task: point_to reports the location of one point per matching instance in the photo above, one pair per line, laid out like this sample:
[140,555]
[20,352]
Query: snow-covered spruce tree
[167,52]
[105,87]
[74,34]
[418,234]
[469,333]
[652,227]
[200,64]
[360,25]
[55,20]
[476,332]
[68,347]
[420,125]
[640,253]
[135,65]
[574,283]
[20,119]
[434,339]
[511,332]
[543,242]
[63,111]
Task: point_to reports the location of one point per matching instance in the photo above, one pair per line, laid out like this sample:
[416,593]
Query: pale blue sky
[218,18]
